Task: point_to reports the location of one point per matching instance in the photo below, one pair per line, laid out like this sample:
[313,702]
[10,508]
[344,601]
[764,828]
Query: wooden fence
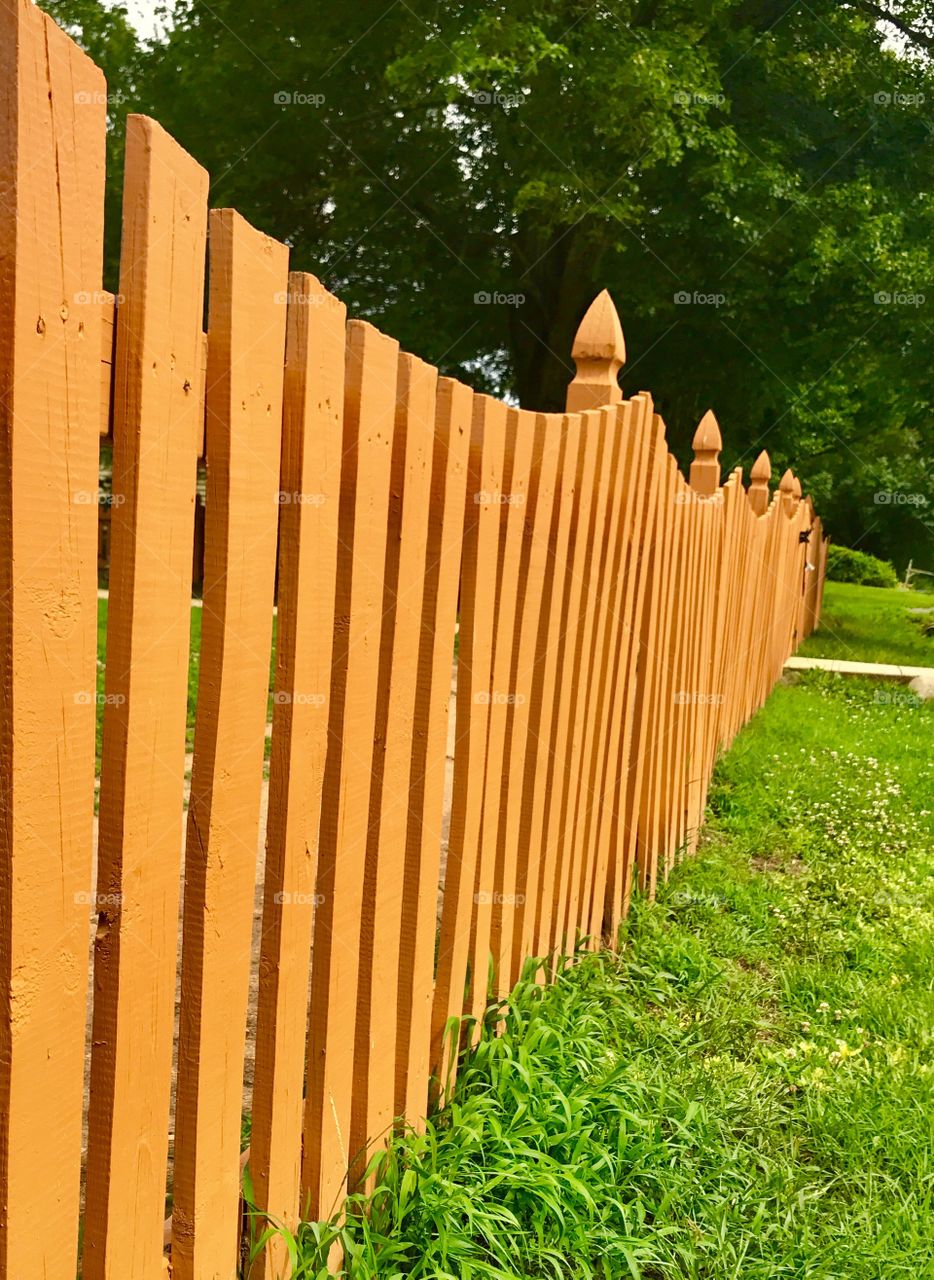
[613,625]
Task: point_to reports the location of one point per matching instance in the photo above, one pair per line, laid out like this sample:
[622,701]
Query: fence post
[707,443]
[599,352]
[705,481]
[758,493]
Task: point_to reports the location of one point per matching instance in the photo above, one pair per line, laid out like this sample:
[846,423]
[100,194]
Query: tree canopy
[750,179]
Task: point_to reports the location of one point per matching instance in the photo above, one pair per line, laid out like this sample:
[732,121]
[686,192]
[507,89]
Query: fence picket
[52,131]
[454,405]
[513,854]
[548,689]
[156,429]
[375,1049]
[474,676]
[613,759]
[487,922]
[606,526]
[246,345]
[593,431]
[625,809]
[312,448]
[369,412]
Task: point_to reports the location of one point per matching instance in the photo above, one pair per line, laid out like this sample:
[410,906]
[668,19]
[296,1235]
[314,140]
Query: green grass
[747,1091]
[872,624]
[194,660]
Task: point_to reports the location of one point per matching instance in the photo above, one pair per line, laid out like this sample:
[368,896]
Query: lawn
[194,659]
[746,1092]
[873,624]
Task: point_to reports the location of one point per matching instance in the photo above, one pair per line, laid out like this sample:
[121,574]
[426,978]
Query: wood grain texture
[474,679]
[552,737]
[156,428]
[564,437]
[421,873]
[246,350]
[375,1048]
[526,679]
[52,129]
[576,616]
[592,712]
[643,674]
[489,906]
[614,764]
[614,847]
[369,413]
[312,447]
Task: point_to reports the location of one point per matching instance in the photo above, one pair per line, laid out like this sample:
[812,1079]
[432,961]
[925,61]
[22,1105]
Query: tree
[751,181]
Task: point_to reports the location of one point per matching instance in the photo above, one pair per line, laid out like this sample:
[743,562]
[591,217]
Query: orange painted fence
[611,625]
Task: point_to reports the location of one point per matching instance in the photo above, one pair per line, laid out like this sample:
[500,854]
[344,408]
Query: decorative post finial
[599,353]
[705,469]
[759,477]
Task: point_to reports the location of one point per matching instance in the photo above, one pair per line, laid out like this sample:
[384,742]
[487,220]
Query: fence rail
[611,626]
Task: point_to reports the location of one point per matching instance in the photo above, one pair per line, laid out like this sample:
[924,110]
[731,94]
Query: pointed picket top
[759,477]
[786,488]
[705,469]
[707,441]
[599,353]
[796,489]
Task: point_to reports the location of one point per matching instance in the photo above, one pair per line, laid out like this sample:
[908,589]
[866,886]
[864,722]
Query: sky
[142,14]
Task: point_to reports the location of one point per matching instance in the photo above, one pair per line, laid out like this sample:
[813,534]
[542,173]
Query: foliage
[771,165]
[748,1088]
[847,565]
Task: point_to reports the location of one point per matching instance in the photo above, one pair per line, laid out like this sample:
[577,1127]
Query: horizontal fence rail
[494,654]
